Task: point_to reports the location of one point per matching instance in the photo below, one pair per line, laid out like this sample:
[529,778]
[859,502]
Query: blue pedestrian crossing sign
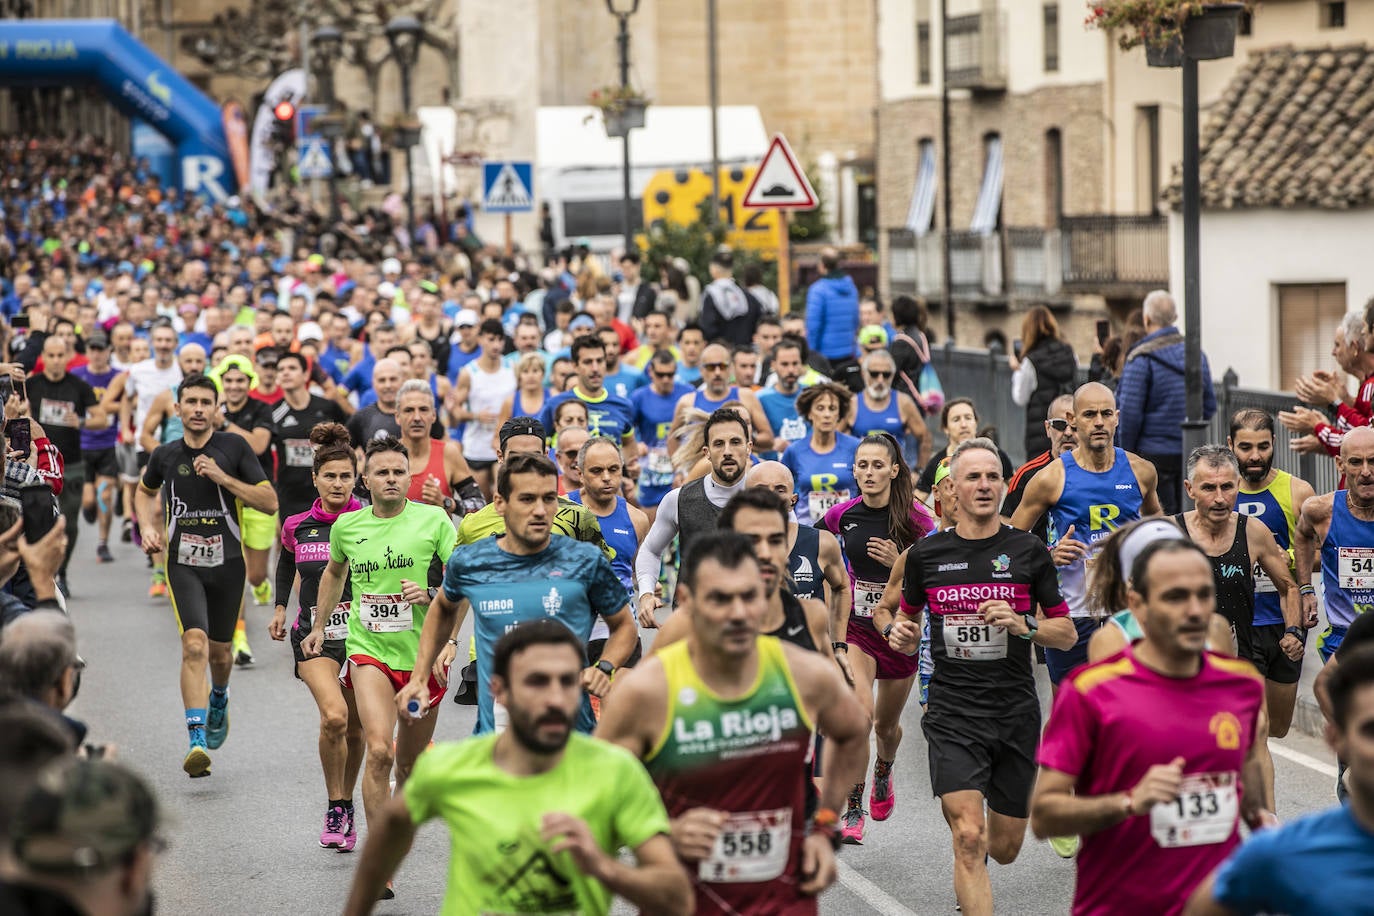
[313,158]
[507,187]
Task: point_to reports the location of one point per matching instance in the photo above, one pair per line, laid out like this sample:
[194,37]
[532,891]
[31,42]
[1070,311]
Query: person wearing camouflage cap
[83,841]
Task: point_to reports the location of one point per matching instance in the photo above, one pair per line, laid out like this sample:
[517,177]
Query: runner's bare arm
[836,712]
[763,430]
[1148,479]
[675,628]
[160,409]
[657,883]
[885,611]
[1274,561]
[1041,493]
[818,622]
[388,841]
[1256,807]
[1105,643]
[441,622]
[1313,521]
[1204,900]
[635,712]
[1057,810]
[915,425]
[837,579]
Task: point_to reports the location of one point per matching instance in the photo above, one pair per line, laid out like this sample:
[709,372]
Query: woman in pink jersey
[874,529]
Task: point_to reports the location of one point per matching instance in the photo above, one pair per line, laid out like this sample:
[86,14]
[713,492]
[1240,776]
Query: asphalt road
[245,840]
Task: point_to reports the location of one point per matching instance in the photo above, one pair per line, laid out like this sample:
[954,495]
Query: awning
[990,194]
[921,213]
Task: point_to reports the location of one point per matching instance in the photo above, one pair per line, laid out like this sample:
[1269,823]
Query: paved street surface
[245,840]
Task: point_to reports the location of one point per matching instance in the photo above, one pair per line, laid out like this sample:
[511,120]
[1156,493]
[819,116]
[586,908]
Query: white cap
[386,289]
[391,266]
[310,331]
[1141,536]
[466,318]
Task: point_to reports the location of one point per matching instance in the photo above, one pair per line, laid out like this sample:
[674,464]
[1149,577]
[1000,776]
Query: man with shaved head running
[1088,492]
[377,421]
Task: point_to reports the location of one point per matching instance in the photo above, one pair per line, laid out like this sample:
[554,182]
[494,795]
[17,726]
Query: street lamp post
[325,45]
[622,10]
[403,34]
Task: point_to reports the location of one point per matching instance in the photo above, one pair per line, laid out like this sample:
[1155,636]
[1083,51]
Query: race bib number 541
[1355,567]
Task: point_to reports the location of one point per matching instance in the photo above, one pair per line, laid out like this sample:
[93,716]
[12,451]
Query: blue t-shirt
[625,381]
[570,581]
[653,418]
[1319,864]
[781,410]
[458,358]
[823,480]
[610,415]
[335,363]
[359,378]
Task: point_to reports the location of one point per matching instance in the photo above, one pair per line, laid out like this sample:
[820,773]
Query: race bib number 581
[970,638]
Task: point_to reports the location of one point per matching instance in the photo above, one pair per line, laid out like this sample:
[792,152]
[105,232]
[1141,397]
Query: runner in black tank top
[804,564]
[1234,575]
[794,627]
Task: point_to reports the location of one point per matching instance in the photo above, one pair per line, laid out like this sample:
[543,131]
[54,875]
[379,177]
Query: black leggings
[208,599]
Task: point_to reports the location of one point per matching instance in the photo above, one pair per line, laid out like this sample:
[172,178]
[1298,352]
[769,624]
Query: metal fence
[985,376]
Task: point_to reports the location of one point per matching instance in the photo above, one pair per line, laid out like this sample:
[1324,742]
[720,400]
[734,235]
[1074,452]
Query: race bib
[866,597]
[1355,567]
[336,627]
[752,846]
[793,428]
[385,613]
[56,413]
[820,501]
[1204,813]
[660,469]
[299,453]
[199,551]
[1263,583]
[969,638]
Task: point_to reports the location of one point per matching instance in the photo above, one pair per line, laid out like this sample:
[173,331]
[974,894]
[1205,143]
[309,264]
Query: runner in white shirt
[483,385]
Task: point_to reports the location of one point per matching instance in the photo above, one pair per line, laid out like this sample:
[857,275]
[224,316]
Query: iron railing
[1115,250]
[985,376]
[975,51]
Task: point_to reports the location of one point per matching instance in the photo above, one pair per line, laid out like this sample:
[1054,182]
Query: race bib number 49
[1205,812]
[385,613]
[866,597]
[969,638]
[1355,567]
[752,846]
[199,551]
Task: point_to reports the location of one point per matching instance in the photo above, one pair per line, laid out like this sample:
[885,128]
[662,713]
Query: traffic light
[284,124]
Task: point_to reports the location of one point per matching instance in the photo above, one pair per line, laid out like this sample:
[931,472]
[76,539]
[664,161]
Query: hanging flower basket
[1169,29]
[622,108]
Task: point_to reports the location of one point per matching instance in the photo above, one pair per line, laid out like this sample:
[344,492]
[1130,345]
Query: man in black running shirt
[293,417]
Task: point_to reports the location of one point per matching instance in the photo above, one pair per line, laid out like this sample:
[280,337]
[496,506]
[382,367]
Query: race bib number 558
[752,846]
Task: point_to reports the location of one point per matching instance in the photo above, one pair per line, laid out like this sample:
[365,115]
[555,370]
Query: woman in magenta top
[874,528]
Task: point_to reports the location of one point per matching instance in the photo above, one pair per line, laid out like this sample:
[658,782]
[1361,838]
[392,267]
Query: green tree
[695,243]
[810,225]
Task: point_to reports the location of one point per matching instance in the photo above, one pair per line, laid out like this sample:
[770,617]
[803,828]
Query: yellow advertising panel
[676,196]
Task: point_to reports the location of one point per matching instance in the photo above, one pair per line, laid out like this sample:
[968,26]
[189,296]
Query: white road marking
[1298,757]
[870,893]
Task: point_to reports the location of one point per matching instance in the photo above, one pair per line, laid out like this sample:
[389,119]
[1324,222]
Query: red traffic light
[284,110]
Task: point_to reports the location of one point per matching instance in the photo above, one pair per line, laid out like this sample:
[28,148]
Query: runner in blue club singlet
[823,463]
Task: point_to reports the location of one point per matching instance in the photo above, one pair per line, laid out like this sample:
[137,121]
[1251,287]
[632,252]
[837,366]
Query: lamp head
[622,7]
[403,34]
[325,42]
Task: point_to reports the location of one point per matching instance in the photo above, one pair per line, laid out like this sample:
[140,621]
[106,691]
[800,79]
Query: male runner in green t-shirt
[537,813]
[393,553]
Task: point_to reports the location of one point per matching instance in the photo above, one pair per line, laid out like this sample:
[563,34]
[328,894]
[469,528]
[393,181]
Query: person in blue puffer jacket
[832,312]
[1152,398]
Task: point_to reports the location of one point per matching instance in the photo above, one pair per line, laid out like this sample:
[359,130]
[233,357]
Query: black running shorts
[208,599]
[101,463]
[333,650]
[1261,646]
[992,756]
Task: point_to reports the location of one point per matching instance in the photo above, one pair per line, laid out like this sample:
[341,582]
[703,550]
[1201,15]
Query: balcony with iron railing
[1109,255]
[977,52]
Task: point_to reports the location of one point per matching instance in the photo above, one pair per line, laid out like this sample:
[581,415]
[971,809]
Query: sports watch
[605,667]
[1032,625]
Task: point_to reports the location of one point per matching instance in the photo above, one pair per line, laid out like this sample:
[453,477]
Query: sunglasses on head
[1058,424]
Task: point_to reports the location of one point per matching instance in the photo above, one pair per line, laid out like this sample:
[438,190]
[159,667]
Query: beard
[1252,475]
[730,476]
[525,729]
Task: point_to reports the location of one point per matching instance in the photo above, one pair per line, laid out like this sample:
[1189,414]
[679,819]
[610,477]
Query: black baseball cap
[520,426]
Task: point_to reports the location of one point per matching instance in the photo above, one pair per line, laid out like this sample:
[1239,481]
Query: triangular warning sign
[508,191]
[780,184]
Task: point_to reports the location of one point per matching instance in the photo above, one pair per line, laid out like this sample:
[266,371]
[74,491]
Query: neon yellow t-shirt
[497,861]
[380,552]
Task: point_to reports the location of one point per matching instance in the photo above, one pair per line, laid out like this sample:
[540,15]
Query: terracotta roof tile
[1294,128]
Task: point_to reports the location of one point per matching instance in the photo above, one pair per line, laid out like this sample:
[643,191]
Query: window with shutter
[1308,317]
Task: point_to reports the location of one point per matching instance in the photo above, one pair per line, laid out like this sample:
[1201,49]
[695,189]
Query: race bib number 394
[751,846]
[1355,567]
[385,613]
[1205,812]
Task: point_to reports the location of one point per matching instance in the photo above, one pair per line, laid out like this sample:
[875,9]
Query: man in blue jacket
[832,312]
[1152,397]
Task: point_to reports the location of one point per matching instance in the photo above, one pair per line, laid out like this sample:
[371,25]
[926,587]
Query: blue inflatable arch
[48,52]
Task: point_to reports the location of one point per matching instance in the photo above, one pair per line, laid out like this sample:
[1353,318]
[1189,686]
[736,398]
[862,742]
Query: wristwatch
[837,646]
[605,667]
[887,631]
[433,593]
[1032,625]
[449,505]
[1299,632]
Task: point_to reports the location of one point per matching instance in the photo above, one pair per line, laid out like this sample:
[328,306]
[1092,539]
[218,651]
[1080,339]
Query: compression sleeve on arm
[649,559]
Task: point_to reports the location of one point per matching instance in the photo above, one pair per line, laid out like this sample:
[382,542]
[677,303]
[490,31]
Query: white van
[579,167]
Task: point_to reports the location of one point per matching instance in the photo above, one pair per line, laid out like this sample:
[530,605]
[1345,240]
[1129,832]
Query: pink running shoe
[852,825]
[350,834]
[332,836]
[882,797]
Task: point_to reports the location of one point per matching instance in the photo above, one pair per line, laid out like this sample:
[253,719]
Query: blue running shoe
[217,722]
[197,762]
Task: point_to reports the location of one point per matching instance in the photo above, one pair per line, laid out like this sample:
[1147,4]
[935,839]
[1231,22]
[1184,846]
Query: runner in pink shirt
[1150,754]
